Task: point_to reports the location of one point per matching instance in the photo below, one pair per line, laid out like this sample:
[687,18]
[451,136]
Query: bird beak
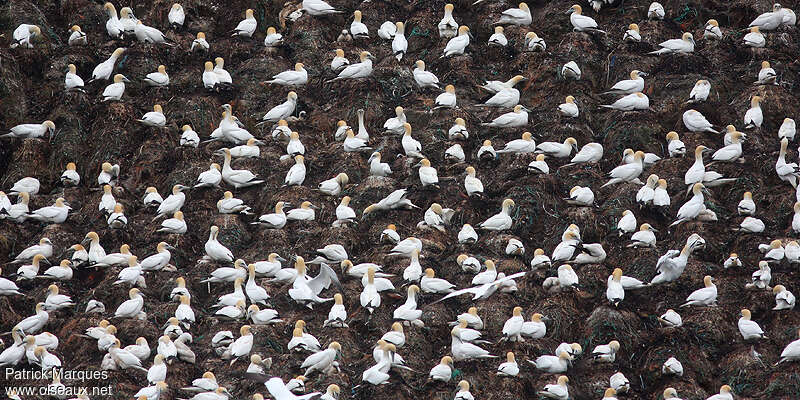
[705,190]
[570,11]
[370,56]
[641,73]
[653,229]
[169,247]
[314,207]
[218,152]
[85,241]
[526,109]
[281,259]
[124,79]
[545,318]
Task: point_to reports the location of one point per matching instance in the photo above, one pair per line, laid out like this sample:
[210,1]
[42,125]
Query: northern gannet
[141,349]
[580,22]
[297,173]
[458,44]
[632,34]
[696,172]
[55,214]
[498,38]
[115,90]
[216,251]
[189,137]
[399,42]
[423,78]
[210,78]
[796,217]
[158,371]
[56,301]
[387,30]
[472,184]
[559,391]
[158,78]
[448,27]
[694,207]
[430,284]
[627,173]
[24,35]
[629,86]
[427,174]
[465,350]
[606,352]
[706,296]
[655,11]
[273,38]
[234,312]
[502,220]
[103,70]
[132,307]
[127,20]
[644,237]
[247,26]
[282,132]
[754,38]
[296,77]
[306,212]
[774,252]
[790,353]
[223,75]
[154,118]
[353,144]
[376,167]
[248,150]
[748,328]
[276,220]
[358,70]
[174,202]
[318,8]
[684,45]
[470,264]
[200,42]
[487,153]
[516,16]
[675,146]
[633,101]
[337,314]
[510,367]
[395,124]
[732,261]
[754,117]
[174,225]
[787,172]
[731,152]
[117,219]
[671,319]
[358,29]
[458,131]
[534,42]
[712,31]
[43,247]
[148,392]
[787,129]
[27,184]
[516,118]
[558,150]
[70,176]
[443,370]
[323,360]
[30,271]
[725,392]
[463,392]
[784,299]
[396,199]
[344,213]
[71,80]
[17,212]
[238,178]
[700,91]
[670,266]
[568,108]
[488,276]
[571,70]
[769,20]
[176,16]
[553,364]
[148,34]
[151,197]
[411,146]
[446,99]
[113,24]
